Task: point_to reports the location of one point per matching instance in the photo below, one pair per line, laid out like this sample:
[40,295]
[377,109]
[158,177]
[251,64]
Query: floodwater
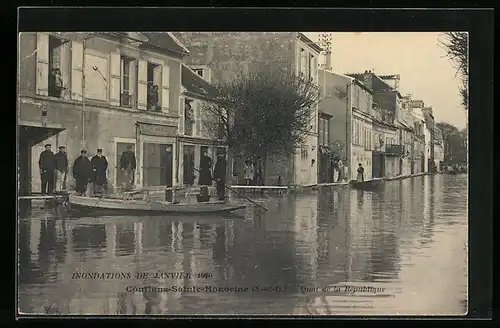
[406,244]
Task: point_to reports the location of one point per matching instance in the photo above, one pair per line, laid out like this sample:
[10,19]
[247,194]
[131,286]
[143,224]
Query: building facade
[229,53]
[197,132]
[429,141]
[361,123]
[107,101]
[385,133]
[438,149]
[348,104]
[388,98]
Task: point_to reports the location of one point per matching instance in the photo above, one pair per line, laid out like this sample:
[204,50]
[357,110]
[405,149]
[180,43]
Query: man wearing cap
[127,166]
[61,168]
[99,169]
[47,165]
[82,172]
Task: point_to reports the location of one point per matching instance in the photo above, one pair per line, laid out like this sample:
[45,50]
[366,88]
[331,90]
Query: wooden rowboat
[111,206]
[369,184]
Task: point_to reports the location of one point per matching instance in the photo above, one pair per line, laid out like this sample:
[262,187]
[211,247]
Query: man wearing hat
[220,175]
[61,168]
[82,172]
[47,165]
[99,169]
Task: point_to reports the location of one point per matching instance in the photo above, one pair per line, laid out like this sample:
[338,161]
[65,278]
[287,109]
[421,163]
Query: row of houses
[145,90]
[367,121]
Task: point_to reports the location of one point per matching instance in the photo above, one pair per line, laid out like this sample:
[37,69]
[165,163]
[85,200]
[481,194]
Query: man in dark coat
[82,172]
[99,169]
[47,165]
[205,170]
[61,168]
[220,176]
[128,166]
[205,177]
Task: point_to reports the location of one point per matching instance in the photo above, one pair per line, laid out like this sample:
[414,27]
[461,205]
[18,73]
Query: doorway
[158,164]
[188,165]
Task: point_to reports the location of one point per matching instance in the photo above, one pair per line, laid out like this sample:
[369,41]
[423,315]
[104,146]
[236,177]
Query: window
[154,86]
[188,117]
[128,80]
[303,63]
[304,152]
[59,67]
[199,71]
[324,126]
[321,131]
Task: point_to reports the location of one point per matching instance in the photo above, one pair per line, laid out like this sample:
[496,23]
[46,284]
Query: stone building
[384,131]
[223,55]
[388,98]
[108,101]
[348,106]
[196,133]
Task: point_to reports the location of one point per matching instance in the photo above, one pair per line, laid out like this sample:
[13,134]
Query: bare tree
[268,111]
[456,45]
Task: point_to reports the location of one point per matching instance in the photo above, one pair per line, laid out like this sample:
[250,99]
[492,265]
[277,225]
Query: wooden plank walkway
[40,197]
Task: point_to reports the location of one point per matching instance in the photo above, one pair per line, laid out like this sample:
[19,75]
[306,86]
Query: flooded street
[407,242]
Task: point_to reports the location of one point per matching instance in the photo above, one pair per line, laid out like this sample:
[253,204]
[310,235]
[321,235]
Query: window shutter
[66,69]
[165,92]
[314,69]
[114,84]
[197,117]
[42,64]
[181,116]
[133,81]
[76,70]
[142,85]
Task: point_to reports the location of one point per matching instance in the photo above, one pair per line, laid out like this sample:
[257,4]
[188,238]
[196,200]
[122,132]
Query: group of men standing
[54,170]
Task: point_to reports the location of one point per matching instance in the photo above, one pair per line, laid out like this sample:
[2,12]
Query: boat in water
[368,184]
[116,206]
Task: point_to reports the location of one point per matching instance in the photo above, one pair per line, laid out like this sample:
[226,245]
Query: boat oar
[237,193]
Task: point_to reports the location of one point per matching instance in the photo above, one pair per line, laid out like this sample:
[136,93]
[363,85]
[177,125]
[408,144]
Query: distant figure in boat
[99,169]
[82,172]
[361,173]
[128,166]
[47,165]
[220,176]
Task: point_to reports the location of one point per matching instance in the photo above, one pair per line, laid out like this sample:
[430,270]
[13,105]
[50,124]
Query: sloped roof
[195,84]
[309,42]
[166,40]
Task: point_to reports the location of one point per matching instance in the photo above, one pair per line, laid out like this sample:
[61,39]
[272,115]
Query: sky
[416,56]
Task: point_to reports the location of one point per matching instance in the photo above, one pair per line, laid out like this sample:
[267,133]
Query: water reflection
[401,237]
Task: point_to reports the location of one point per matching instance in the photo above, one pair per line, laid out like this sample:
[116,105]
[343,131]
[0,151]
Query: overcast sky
[416,56]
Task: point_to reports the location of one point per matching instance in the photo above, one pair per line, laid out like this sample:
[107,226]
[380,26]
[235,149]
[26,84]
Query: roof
[195,84]
[167,41]
[378,85]
[310,42]
[404,124]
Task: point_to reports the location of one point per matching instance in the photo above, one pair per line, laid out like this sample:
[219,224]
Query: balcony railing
[394,149]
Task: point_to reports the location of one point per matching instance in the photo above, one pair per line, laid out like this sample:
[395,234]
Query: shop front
[157,154]
[190,155]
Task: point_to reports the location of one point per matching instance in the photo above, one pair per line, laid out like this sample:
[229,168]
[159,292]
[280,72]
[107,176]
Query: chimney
[367,79]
